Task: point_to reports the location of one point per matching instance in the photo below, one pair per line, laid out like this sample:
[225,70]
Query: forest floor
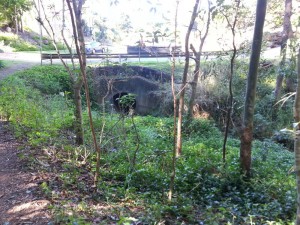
[20,199]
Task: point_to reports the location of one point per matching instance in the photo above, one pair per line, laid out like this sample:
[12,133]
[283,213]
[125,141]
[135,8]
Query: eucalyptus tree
[198,53]
[297,140]
[232,14]
[11,12]
[247,125]
[184,79]
[287,33]
[75,77]
[174,156]
[75,10]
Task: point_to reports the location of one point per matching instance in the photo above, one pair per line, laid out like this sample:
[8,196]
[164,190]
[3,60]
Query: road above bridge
[35,57]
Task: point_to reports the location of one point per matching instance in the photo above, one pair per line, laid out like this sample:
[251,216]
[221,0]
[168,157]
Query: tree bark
[286,34]
[75,78]
[197,64]
[173,165]
[78,112]
[16,21]
[184,80]
[75,15]
[80,48]
[232,64]
[297,141]
[247,127]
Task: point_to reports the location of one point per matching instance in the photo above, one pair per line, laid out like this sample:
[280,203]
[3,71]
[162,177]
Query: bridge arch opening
[124,101]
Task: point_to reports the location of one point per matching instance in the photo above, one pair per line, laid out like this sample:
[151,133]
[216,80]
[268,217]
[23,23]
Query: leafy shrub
[18,44]
[48,79]
[34,115]
[213,93]
[203,127]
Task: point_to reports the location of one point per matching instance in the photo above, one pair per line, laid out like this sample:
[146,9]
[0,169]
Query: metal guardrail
[51,56]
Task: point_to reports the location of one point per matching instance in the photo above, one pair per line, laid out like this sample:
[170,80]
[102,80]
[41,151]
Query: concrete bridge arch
[114,82]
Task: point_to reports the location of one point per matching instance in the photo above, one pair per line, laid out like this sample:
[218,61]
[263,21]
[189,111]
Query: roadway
[35,57]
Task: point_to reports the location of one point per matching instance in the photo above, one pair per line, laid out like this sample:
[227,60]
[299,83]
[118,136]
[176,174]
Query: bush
[36,116]
[49,79]
[18,44]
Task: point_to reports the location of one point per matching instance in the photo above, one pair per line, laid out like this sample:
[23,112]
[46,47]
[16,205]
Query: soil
[20,198]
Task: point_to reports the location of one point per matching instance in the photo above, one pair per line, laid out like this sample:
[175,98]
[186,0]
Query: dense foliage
[10,9]
[135,163]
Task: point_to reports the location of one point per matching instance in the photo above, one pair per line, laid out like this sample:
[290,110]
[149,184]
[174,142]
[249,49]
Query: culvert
[127,104]
[108,86]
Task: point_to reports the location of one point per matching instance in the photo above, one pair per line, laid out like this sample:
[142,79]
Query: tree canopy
[10,9]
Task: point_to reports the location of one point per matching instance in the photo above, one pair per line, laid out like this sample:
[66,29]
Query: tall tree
[297,140]
[247,126]
[197,59]
[11,12]
[184,79]
[232,25]
[173,166]
[77,23]
[75,77]
[287,32]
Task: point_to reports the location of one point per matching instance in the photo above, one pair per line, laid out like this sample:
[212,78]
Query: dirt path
[17,66]
[20,202]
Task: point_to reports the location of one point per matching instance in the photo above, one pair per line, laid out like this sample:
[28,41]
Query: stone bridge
[111,83]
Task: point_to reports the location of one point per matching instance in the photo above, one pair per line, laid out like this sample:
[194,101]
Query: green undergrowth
[17,43]
[136,163]
[31,42]
[7,63]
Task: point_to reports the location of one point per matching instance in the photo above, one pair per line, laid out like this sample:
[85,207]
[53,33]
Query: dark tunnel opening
[124,106]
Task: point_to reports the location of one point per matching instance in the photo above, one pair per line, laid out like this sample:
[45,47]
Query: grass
[19,44]
[8,63]
[16,43]
[135,163]
[2,64]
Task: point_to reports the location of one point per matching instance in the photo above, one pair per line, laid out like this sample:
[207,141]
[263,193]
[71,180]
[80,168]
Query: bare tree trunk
[78,112]
[286,34]
[232,64]
[76,81]
[297,140]
[16,21]
[184,80]
[21,24]
[76,24]
[80,48]
[197,65]
[247,127]
[173,167]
